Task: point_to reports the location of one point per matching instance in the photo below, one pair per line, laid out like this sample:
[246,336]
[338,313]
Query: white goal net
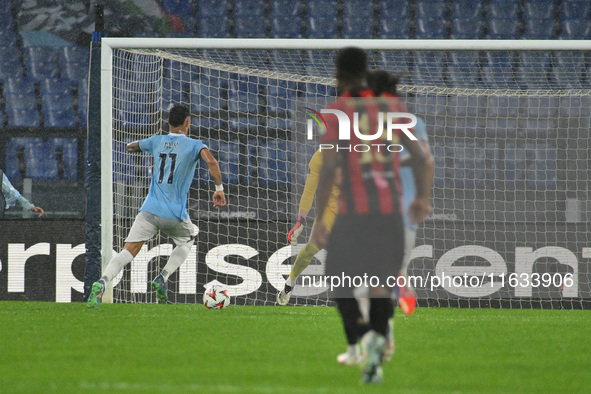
[509,131]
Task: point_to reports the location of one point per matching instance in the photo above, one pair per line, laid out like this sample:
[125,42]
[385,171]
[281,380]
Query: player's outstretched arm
[326,181]
[306,201]
[219,199]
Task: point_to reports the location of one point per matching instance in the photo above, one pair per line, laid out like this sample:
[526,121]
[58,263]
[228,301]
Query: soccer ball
[216,297]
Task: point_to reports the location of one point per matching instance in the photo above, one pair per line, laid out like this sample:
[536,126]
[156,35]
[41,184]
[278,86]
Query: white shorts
[146,225]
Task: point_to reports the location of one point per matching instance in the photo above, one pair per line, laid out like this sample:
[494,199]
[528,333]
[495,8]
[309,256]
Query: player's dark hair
[381,81]
[177,115]
[351,64]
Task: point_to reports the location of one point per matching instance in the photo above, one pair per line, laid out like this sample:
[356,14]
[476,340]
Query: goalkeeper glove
[296,230]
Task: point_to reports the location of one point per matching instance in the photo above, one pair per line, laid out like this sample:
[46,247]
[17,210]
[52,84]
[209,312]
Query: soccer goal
[509,124]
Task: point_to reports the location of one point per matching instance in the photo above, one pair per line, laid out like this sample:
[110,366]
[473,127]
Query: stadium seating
[279,97]
[503,29]
[245,125]
[576,29]
[286,19]
[498,70]
[466,10]
[358,19]
[287,61]
[397,62]
[467,28]
[503,9]
[83,102]
[243,96]
[249,19]
[322,15]
[394,22]
[472,106]
[40,160]
[21,109]
[431,11]
[428,68]
[273,159]
[212,19]
[74,62]
[66,150]
[203,98]
[536,9]
[228,156]
[533,70]
[463,69]
[427,29]
[575,9]
[173,92]
[183,9]
[539,29]
[40,62]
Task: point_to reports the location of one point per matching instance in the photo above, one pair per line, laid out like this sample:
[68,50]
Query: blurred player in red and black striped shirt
[367,239]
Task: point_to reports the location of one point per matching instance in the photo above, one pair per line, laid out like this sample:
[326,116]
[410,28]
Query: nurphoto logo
[387,122]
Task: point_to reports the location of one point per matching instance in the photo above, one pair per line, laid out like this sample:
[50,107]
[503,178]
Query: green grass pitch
[187,348]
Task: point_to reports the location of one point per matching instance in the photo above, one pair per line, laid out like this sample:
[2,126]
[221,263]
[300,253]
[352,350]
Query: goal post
[508,122]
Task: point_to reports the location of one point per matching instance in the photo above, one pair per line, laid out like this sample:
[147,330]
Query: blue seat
[426,29]
[205,122]
[19,85]
[273,163]
[21,109]
[394,28]
[287,61]
[568,77]
[205,98]
[8,40]
[432,11]
[245,124]
[286,19]
[463,69]
[67,149]
[533,70]
[15,157]
[40,62]
[173,92]
[537,9]
[253,58]
[56,86]
[393,61]
[502,106]
[177,7]
[133,113]
[10,67]
[320,64]
[315,89]
[83,103]
[249,8]
[58,110]
[243,96]
[467,29]
[503,29]
[228,157]
[279,124]
[250,27]
[576,29]
[394,19]
[74,61]
[358,28]
[322,15]
[497,71]
[41,160]
[280,96]
[358,19]
[428,68]
[539,29]
[466,10]
[212,19]
[575,9]
[503,9]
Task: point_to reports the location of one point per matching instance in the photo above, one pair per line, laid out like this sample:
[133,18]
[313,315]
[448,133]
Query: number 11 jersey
[175,159]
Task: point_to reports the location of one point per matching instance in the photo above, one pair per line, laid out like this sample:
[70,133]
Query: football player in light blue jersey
[10,197]
[165,208]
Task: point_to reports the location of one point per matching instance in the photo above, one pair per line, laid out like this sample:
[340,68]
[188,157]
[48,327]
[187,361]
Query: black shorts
[364,246]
